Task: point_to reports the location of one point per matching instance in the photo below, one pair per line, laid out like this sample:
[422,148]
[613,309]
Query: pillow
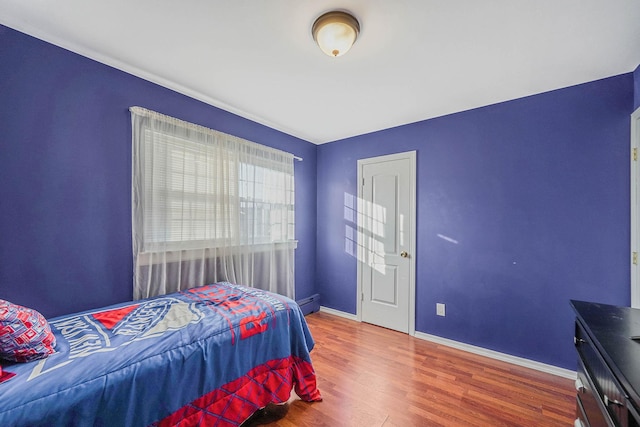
[25,334]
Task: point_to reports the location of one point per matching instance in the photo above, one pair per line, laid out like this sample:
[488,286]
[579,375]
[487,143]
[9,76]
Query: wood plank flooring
[374,377]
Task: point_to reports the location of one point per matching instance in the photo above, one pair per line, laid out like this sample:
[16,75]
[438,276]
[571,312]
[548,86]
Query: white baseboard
[520,361]
[339,313]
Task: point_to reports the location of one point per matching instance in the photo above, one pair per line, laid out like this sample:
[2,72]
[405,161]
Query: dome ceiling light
[335,32]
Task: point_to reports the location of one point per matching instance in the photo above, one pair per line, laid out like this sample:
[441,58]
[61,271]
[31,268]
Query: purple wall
[536,193]
[65,175]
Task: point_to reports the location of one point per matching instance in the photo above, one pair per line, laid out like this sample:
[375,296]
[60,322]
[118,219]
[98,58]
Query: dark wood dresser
[608,365]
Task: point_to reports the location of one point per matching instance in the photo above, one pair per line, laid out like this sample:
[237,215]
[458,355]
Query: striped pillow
[25,334]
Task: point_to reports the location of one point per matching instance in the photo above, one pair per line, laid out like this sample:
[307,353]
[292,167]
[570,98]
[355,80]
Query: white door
[386,226]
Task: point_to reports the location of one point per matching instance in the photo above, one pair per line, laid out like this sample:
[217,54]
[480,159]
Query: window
[206,196]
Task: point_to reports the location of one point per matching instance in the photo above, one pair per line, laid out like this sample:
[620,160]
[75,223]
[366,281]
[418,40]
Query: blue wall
[536,193]
[65,175]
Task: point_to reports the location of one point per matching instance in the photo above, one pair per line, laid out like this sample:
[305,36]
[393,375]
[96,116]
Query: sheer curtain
[208,207]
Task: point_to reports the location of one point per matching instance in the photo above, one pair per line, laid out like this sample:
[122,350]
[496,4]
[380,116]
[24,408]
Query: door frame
[635,209]
[411,156]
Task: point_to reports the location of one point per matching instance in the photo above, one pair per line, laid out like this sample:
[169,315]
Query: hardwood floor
[371,376]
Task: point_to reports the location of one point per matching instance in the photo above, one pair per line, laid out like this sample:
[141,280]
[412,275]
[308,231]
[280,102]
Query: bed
[211,355]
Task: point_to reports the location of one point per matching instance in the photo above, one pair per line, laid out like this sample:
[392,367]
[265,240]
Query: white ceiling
[414,59]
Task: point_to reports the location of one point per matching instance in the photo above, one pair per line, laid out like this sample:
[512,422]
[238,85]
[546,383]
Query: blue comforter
[207,356]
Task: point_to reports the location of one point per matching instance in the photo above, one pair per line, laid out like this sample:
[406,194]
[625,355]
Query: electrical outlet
[440,309]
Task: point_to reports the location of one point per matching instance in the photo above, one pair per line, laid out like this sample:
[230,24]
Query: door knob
[404,254]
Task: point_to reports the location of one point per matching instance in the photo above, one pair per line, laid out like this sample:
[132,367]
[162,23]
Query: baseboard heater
[310,305]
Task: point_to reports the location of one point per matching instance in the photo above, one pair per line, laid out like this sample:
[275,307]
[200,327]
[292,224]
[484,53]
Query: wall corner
[636,88]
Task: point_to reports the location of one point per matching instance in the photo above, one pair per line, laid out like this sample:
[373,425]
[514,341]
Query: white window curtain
[208,207]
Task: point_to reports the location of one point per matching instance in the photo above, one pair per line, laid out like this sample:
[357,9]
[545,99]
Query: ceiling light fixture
[335,32]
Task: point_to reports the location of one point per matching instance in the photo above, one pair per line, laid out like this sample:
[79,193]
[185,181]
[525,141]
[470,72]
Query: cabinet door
[590,409]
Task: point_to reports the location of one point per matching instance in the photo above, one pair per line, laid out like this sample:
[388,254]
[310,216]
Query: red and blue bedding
[211,356]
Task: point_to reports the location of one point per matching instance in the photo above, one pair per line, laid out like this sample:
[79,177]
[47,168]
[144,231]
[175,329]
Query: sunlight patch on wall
[369,230]
[448,239]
